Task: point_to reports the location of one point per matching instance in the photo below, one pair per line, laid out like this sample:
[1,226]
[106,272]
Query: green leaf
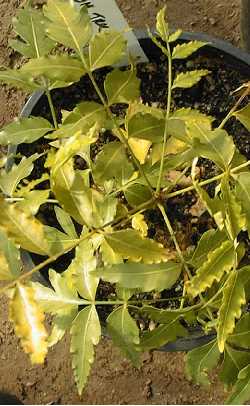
[85,333]
[23,228]
[137,195]
[201,360]
[241,392]
[58,241]
[147,127]
[112,163]
[19,79]
[161,24]
[234,360]
[81,269]
[218,262]
[214,205]
[60,325]
[233,299]
[11,264]
[61,68]
[162,335]
[65,222]
[70,25]
[142,276]
[243,116]
[176,35]
[209,241]
[241,334]
[129,244]
[33,200]
[185,50]
[189,79]
[124,333]
[10,180]
[122,86]
[60,300]
[243,195]
[30,26]
[28,323]
[82,119]
[165,316]
[235,220]
[105,48]
[216,145]
[109,256]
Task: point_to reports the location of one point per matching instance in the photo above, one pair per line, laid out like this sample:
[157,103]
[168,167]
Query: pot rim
[196,336]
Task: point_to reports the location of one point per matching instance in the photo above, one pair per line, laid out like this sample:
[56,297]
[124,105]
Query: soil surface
[113,380]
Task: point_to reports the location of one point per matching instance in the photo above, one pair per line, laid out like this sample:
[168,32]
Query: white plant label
[106,14]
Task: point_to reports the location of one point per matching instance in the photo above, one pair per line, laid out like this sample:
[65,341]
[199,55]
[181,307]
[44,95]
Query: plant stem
[20,199]
[166,118]
[52,108]
[234,108]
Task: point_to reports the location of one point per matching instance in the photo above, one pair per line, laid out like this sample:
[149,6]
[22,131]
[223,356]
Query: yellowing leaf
[147,127]
[28,322]
[33,200]
[233,299]
[218,262]
[243,116]
[209,241]
[243,195]
[139,224]
[185,50]
[122,86]
[189,79]
[140,148]
[19,79]
[68,24]
[85,333]
[162,25]
[10,261]
[124,333]
[174,36]
[65,222]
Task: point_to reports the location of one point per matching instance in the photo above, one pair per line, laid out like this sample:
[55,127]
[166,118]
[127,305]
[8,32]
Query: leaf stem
[52,108]
[234,108]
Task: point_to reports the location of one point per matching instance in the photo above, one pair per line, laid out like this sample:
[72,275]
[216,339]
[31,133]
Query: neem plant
[101,209]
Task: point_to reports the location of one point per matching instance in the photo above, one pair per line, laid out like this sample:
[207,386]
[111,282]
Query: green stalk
[234,108]
[52,108]
[166,118]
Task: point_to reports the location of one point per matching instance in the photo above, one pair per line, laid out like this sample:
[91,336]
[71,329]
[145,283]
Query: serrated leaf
[105,48]
[70,25]
[241,392]
[33,200]
[218,262]
[109,256]
[147,127]
[57,68]
[60,325]
[162,335]
[124,332]
[235,220]
[241,334]
[28,323]
[85,333]
[138,223]
[243,195]
[233,299]
[174,36]
[112,163]
[81,269]
[30,26]
[161,24]
[60,300]
[137,194]
[129,244]
[122,86]
[18,79]
[10,180]
[140,148]
[142,276]
[165,316]
[209,241]
[234,360]
[65,222]
[201,360]
[82,119]
[188,79]
[215,145]
[185,50]
[11,264]
[243,116]
[23,228]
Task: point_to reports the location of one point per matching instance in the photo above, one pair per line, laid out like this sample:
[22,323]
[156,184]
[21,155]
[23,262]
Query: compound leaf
[122,86]
[243,116]
[124,332]
[189,79]
[218,262]
[28,323]
[185,50]
[85,333]
[129,244]
[201,360]
[60,324]
[30,26]
[68,24]
[142,276]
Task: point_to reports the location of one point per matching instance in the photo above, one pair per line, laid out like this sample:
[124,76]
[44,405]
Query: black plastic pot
[235,58]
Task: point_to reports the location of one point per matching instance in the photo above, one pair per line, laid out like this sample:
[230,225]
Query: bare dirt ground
[113,380]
